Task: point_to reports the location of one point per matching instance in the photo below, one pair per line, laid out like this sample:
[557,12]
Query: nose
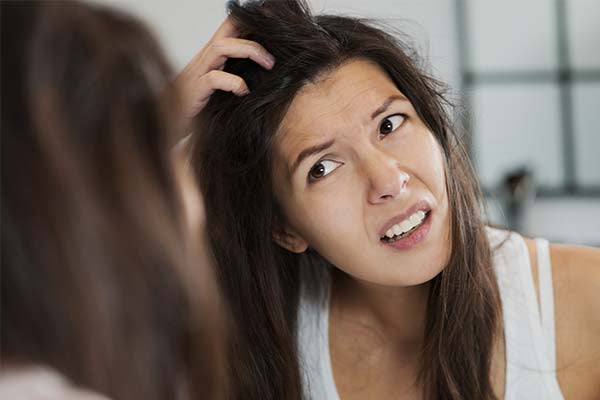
[387,179]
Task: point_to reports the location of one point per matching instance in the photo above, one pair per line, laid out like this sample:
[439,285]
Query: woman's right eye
[322,169]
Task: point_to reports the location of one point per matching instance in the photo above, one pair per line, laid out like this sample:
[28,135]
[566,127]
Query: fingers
[196,94]
[220,80]
[204,73]
[221,49]
[226,44]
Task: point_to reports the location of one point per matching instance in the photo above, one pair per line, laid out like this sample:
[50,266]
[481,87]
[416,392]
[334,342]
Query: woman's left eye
[391,123]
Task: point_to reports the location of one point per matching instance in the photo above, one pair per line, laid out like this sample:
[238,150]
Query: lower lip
[414,238]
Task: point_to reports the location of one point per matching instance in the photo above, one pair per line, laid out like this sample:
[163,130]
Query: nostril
[387,189]
[387,179]
[404,178]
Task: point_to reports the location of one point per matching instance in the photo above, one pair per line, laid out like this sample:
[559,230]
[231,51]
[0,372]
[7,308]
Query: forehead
[345,96]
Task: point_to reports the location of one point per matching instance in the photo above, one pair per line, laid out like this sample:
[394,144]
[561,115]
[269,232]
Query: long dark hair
[97,280]
[260,279]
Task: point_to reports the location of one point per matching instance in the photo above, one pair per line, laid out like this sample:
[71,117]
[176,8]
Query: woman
[345,224]
[104,292]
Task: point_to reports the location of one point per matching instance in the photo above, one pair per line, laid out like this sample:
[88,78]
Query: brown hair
[97,274]
[234,160]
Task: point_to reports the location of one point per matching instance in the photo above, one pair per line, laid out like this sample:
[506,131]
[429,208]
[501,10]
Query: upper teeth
[406,225]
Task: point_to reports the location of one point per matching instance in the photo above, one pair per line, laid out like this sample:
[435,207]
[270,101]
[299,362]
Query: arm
[576,277]
[204,73]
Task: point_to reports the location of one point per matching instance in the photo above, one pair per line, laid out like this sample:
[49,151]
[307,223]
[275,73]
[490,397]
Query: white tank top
[529,336]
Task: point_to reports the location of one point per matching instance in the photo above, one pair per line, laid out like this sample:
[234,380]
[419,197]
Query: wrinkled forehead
[344,97]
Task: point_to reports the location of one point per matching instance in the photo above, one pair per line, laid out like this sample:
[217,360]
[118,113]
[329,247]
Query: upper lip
[421,205]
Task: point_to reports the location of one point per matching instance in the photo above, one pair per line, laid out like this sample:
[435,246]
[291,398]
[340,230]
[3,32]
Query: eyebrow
[386,104]
[309,151]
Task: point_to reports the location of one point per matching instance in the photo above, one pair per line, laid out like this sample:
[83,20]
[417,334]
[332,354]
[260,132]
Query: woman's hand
[204,73]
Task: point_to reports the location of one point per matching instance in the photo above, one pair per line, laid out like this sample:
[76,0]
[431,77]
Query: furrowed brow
[309,151]
[386,104]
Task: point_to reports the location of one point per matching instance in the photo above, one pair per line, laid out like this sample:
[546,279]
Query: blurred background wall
[526,75]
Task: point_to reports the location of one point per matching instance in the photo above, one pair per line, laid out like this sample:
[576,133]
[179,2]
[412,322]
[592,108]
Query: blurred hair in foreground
[100,280]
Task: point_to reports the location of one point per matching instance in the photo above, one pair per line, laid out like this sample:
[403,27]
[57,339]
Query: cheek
[329,221]
[444,211]
[434,167]
[327,217]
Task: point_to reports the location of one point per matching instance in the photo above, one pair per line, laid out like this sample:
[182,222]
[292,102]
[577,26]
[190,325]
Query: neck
[397,313]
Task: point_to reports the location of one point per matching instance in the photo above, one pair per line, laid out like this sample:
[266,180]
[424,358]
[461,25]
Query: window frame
[565,77]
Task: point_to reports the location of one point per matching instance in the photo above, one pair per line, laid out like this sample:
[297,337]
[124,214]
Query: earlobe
[290,241]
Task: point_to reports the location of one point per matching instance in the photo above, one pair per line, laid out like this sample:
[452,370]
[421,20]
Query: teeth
[414,219]
[406,225]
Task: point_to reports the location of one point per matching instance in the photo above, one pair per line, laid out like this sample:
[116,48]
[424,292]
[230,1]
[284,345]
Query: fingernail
[270,60]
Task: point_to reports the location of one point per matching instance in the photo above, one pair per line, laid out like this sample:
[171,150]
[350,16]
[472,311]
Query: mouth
[406,227]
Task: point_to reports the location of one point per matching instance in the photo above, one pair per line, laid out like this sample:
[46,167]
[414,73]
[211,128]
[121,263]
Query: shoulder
[581,259]
[576,276]
[40,383]
[576,284]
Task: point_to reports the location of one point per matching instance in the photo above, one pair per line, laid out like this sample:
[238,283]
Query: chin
[418,273]
[426,276]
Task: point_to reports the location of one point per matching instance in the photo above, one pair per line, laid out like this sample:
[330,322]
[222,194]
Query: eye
[391,123]
[321,169]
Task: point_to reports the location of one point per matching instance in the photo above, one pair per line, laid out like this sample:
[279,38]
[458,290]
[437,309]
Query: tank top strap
[528,329]
[546,298]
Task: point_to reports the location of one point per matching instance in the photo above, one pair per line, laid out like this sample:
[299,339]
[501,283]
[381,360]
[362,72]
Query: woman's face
[354,165]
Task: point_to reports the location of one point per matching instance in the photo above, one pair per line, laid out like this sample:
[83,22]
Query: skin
[374,177]
[204,74]
[378,301]
[195,84]
[377,178]
[576,285]
[377,310]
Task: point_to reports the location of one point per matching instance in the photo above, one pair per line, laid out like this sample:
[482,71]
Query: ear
[290,240]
